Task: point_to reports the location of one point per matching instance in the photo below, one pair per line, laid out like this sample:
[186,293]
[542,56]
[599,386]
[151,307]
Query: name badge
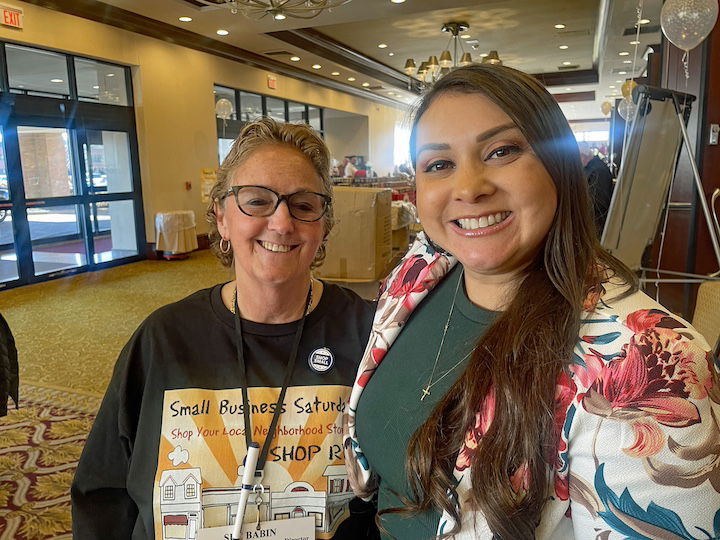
[279,529]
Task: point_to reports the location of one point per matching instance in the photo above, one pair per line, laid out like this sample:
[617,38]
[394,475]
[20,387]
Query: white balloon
[224,109]
[686,23]
[627,110]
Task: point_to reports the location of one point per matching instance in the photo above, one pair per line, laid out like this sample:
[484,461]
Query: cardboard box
[401,240]
[360,244]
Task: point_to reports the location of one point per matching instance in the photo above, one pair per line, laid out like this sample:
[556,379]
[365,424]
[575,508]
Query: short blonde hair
[256,134]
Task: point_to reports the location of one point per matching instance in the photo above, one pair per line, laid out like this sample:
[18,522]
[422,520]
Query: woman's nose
[281,221]
[472,182]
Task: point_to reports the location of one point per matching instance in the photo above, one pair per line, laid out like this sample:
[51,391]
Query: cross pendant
[425,393]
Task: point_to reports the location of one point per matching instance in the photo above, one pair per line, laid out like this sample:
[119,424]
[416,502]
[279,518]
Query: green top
[390,409]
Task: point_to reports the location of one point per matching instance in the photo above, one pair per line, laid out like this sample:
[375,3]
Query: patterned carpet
[69,333]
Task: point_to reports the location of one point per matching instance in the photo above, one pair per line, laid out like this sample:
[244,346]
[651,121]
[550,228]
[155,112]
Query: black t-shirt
[164,456]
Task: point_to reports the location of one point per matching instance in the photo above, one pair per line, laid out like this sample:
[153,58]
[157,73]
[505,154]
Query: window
[100,82]
[318,518]
[190,490]
[296,113]
[401,149]
[37,72]
[250,106]
[336,485]
[169,492]
[223,94]
[275,109]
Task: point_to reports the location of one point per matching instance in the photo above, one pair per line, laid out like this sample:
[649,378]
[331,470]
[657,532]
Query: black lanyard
[244,382]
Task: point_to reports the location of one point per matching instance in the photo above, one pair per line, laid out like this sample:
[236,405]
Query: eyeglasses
[259,201]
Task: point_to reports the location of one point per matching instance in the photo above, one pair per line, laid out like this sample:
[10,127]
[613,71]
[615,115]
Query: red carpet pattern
[40,444]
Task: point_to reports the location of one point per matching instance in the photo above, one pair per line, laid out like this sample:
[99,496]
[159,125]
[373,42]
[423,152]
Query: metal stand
[712,224]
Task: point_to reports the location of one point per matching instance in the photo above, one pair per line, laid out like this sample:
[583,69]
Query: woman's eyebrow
[485,135]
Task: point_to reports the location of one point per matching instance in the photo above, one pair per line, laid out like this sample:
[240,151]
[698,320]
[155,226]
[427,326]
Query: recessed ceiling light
[382,45]
[566,63]
[619,81]
[279,16]
[56,80]
[465,36]
[623,53]
[110,74]
[335,73]
[559,26]
[316,66]
[391,54]
[397,1]
[563,47]
[185,19]
[483,55]
[294,58]
[644,21]
[222,32]
[627,61]
[634,42]
[351,79]
[366,84]
[96,87]
[612,87]
[568,89]
[622,72]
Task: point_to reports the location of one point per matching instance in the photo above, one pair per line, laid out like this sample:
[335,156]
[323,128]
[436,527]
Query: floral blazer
[638,413]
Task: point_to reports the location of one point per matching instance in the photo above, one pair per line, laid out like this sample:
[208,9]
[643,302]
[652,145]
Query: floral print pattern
[637,416]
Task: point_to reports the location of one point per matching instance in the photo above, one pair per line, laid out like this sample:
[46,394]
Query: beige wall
[175,106]
[347,136]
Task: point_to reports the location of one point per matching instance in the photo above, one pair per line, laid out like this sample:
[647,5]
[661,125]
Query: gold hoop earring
[225,250]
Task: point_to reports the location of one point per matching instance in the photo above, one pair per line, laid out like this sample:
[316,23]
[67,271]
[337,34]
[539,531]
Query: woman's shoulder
[196,307]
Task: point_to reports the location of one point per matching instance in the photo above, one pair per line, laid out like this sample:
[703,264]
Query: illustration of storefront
[180,503]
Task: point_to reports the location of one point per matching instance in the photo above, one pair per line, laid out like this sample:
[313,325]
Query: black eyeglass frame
[280,198]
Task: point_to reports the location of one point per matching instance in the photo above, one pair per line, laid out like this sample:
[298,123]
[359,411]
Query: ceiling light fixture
[634,42]
[185,19]
[335,73]
[397,1]
[110,74]
[277,9]
[294,58]
[623,53]
[563,47]
[566,63]
[622,72]
[316,66]
[644,21]
[351,79]
[222,32]
[627,61]
[559,26]
[492,58]
[366,84]
[391,54]
[56,80]
[382,45]
[433,69]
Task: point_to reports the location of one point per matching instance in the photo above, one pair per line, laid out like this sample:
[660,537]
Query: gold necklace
[309,305]
[430,384]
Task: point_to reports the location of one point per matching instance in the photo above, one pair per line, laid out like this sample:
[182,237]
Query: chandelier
[432,69]
[278,9]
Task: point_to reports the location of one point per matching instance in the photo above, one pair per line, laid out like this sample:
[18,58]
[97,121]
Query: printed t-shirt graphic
[202,447]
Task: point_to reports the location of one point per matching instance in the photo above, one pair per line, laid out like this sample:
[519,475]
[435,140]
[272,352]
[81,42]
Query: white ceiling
[522,31]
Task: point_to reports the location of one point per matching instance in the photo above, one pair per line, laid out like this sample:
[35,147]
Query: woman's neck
[271,304]
[491,292]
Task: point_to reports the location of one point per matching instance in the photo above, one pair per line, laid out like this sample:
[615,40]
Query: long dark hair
[522,355]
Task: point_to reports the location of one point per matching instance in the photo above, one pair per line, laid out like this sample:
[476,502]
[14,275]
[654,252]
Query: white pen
[248,477]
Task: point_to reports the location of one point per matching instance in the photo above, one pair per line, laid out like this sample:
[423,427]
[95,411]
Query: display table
[175,233]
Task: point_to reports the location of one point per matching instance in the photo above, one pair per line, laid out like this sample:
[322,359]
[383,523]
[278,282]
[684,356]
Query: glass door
[55,219]
[8,254]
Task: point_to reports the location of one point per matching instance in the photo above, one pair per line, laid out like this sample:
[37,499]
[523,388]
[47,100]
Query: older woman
[268,357]
[516,384]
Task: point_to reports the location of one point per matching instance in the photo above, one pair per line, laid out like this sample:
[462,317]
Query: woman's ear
[220,218]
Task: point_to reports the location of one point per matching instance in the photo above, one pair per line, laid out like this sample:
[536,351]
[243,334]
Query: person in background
[600,181]
[349,167]
[9,370]
[516,384]
[268,357]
